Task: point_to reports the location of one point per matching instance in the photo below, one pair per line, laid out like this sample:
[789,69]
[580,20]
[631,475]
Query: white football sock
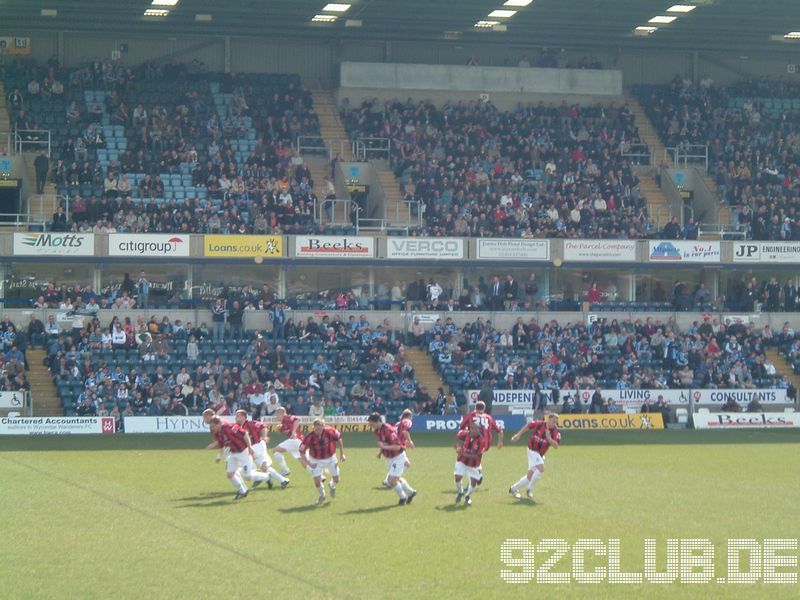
[537,474]
[273,473]
[459,489]
[238,483]
[399,489]
[406,488]
[258,476]
[470,489]
[521,483]
[278,456]
[321,490]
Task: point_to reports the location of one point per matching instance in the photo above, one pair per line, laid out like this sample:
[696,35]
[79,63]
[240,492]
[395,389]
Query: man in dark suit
[59,220]
[496,294]
[510,292]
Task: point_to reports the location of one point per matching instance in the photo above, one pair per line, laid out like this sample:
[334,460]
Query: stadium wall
[317,60]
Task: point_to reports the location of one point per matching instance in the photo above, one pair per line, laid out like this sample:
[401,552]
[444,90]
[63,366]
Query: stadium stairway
[396,209]
[424,372]
[43,391]
[657,201]
[5,122]
[330,125]
[782,367]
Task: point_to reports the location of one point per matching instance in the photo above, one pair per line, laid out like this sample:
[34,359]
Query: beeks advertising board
[746,420]
[334,246]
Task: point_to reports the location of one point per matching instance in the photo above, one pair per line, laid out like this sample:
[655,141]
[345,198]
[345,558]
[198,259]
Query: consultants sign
[334,246]
[684,251]
[56,425]
[133,245]
[517,249]
[774,252]
[398,248]
[599,251]
[242,246]
[53,244]
[741,396]
[746,421]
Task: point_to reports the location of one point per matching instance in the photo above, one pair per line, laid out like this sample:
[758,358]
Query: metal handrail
[31,137]
[346,208]
[372,148]
[311,143]
[683,155]
[637,152]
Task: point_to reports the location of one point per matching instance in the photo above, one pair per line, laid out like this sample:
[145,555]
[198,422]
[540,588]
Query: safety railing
[637,154]
[337,211]
[311,144]
[722,231]
[372,148]
[684,156]
[31,140]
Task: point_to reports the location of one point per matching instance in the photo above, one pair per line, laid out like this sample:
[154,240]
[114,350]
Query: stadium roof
[713,24]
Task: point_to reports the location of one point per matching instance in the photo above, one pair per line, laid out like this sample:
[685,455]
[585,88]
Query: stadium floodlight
[644,30]
[165,2]
[520,3]
[681,8]
[662,19]
[792,35]
[486,24]
[324,18]
[333,7]
[502,14]
[155,12]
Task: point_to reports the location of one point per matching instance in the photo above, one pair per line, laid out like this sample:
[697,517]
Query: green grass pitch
[153,517]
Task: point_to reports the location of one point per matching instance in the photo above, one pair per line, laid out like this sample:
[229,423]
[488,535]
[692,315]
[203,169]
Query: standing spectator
[41,165]
[143,290]
[672,230]
[531,289]
[235,319]
[789,296]
[772,293]
[218,318]
[278,317]
[510,292]
[496,294]
[59,220]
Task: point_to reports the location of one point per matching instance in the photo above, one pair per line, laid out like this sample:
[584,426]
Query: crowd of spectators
[537,171]
[157,367]
[565,357]
[235,162]
[13,360]
[751,130]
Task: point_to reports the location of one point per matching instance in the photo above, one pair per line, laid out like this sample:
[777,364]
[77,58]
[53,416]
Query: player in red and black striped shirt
[259,439]
[470,445]
[208,415]
[403,427]
[544,435]
[321,444]
[488,426]
[237,440]
[289,425]
[393,448]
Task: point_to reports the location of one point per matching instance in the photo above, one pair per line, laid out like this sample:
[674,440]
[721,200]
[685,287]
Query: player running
[208,415]
[259,438]
[403,427]
[290,425]
[473,446]
[237,440]
[321,444]
[487,424]
[393,448]
[544,434]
